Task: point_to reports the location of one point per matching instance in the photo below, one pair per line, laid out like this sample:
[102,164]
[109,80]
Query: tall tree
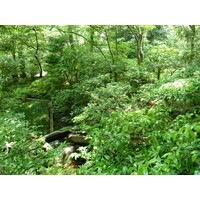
[139,32]
[189,33]
[193,35]
[33,38]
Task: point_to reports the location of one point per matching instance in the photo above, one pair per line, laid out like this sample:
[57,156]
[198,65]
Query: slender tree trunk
[74,74]
[36,52]
[22,64]
[112,55]
[71,40]
[15,75]
[70,36]
[116,44]
[117,53]
[39,64]
[110,50]
[92,40]
[140,54]
[51,120]
[192,54]
[158,73]
[138,35]
[14,55]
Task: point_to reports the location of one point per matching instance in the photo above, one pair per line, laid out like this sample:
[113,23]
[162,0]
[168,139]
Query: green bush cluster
[135,143]
[139,140]
[133,90]
[21,148]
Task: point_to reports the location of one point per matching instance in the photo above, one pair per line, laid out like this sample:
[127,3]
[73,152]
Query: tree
[139,32]
[158,34]
[189,33]
[161,58]
[9,47]
[33,38]
[193,35]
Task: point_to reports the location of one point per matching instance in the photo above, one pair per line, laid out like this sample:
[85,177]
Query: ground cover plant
[128,94]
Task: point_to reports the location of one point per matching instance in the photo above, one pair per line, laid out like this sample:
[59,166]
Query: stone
[78,139]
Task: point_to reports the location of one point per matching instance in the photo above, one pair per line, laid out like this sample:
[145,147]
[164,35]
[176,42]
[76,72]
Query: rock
[55,143]
[78,139]
[69,149]
[47,147]
[56,135]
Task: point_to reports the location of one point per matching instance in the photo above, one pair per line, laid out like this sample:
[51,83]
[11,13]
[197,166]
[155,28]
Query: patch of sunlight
[129,107]
[43,74]
[137,110]
[30,105]
[44,116]
[66,83]
[177,84]
[81,41]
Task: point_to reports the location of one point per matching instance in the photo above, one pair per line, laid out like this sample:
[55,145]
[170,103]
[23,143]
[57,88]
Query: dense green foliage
[21,155]
[133,90]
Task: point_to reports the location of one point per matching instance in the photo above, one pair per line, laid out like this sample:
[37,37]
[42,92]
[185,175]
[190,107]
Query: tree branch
[108,42]
[86,40]
[36,39]
[132,31]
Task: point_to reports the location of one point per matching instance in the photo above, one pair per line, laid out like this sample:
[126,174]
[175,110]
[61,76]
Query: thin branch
[108,42]
[93,27]
[86,40]
[38,99]
[132,31]
[116,41]
[36,39]
[28,45]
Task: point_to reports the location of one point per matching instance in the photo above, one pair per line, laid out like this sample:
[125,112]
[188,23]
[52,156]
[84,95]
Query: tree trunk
[92,40]
[36,52]
[140,54]
[39,64]
[138,35]
[192,54]
[112,54]
[117,53]
[51,122]
[71,38]
[158,73]
[22,64]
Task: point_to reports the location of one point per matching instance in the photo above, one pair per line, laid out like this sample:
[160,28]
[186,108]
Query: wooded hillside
[100,99]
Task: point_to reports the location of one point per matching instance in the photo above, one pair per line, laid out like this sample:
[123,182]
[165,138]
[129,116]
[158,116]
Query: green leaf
[124,170]
[107,157]
[197,172]
[188,132]
[154,160]
[194,157]
[197,129]
[166,154]
[130,170]
[142,170]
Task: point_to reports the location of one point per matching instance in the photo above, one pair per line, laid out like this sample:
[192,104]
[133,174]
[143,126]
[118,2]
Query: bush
[21,149]
[104,100]
[174,150]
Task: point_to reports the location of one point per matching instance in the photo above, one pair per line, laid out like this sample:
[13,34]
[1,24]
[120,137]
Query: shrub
[20,152]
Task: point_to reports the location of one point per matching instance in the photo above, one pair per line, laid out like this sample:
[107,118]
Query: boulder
[56,135]
[78,139]
[69,149]
[47,146]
